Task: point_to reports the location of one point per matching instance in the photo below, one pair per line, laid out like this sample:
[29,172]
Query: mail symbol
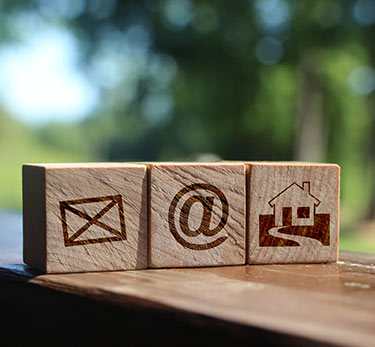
[113,234]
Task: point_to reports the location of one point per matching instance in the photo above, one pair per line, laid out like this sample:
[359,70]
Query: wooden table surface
[329,304]
[325,304]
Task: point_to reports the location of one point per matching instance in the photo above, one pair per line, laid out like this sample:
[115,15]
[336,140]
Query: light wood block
[196,214]
[293,212]
[85,217]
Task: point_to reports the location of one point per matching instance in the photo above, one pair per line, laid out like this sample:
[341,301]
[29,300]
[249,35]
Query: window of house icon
[303,212]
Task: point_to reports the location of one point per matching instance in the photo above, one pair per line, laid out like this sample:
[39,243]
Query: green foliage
[236,79]
[19,145]
[357,242]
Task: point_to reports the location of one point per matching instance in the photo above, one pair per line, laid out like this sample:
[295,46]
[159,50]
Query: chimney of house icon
[306,186]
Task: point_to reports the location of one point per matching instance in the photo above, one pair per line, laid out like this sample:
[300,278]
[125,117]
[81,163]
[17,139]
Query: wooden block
[85,217]
[197,214]
[293,212]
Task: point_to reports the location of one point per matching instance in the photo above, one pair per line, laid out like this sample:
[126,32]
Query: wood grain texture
[197,214]
[293,212]
[94,217]
[321,303]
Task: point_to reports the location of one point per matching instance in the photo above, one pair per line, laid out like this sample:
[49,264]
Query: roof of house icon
[295,192]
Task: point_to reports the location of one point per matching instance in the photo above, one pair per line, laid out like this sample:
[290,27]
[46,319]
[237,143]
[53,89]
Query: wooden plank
[326,303]
[85,216]
[293,212]
[197,214]
[357,258]
[64,319]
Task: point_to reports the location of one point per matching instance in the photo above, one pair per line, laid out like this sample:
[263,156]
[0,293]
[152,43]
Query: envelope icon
[113,233]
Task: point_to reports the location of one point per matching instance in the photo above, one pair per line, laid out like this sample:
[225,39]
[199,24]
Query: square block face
[197,215]
[96,218]
[293,213]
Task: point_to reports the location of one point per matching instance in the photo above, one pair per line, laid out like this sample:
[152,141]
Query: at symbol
[204,227]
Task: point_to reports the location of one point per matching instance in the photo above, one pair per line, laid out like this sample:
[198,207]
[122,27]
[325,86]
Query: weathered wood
[323,303]
[63,319]
[293,212]
[85,217]
[196,214]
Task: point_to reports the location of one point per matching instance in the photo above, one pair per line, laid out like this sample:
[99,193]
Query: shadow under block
[85,217]
[197,214]
[293,212]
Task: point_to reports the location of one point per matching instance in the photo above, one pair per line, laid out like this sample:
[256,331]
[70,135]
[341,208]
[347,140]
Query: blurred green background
[107,80]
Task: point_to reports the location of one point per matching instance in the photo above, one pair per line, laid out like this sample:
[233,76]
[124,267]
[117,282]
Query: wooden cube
[85,217]
[196,214]
[293,212]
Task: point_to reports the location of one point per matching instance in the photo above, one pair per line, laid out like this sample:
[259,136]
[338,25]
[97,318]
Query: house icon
[295,206]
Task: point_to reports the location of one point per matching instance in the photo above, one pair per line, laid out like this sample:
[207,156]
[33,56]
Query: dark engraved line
[64,224]
[92,220]
[275,197]
[92,241]
[206,204]
[118,199]
[118,236]
[200,247]
[89,200]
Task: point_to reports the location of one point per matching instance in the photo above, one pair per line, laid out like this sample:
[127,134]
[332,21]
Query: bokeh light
[362,80]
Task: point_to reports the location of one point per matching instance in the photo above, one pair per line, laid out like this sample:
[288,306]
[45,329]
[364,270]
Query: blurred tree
[19,145]
[253,80]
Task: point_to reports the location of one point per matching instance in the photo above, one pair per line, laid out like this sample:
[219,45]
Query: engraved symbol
[294,221]
[75,239]
[207,203]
